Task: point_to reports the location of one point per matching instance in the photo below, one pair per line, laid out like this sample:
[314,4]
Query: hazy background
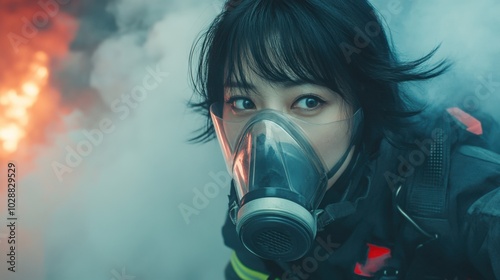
[117,213]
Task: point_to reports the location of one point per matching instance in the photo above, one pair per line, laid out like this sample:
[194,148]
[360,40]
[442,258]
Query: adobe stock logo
[123,107]
[372,29]
[39,20]
[121,276]
[310,264]
[201,198]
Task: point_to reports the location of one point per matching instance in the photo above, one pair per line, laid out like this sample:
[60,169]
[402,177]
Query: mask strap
[343,208]
[354,140]
[334,212]
[339,163]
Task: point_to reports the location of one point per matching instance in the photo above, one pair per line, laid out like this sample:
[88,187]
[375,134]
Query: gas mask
[280,167]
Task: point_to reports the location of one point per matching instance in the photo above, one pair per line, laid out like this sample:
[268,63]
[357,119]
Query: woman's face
[321,113]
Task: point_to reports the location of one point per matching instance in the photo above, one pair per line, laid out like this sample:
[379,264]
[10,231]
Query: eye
[240,103]
[309,102]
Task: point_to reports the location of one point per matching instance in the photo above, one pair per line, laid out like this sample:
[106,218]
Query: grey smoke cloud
[153,169]
[468,38]
[116,213]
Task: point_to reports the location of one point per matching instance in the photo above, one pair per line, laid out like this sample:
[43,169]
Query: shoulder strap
[425,202]
[426,194]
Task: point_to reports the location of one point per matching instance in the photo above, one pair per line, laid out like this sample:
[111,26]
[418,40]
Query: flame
[17,100]
[30,106]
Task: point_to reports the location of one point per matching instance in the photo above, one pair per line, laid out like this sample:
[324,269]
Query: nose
[275,101]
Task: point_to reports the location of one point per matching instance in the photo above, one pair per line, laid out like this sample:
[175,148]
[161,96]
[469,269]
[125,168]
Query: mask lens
[270,162]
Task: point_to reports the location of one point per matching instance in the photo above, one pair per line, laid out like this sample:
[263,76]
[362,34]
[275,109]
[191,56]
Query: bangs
[283,42]
[320,42]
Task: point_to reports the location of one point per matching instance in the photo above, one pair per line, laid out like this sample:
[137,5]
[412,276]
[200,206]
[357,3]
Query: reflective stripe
[244,272]
[472,124]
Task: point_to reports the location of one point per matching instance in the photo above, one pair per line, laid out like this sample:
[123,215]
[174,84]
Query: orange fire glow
[15,102]
[29,102]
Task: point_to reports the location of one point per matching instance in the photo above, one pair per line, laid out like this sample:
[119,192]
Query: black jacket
[401,231]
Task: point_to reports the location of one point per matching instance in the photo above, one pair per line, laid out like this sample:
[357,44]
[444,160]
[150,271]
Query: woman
[334,177]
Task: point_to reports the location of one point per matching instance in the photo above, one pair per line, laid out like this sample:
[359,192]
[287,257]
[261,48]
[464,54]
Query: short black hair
[339,44]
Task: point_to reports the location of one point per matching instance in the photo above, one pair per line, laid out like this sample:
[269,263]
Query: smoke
[104,200]
[466,35]
[125,210]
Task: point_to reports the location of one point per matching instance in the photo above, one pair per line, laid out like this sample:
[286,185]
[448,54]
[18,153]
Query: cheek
[330,141]
[328,114]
